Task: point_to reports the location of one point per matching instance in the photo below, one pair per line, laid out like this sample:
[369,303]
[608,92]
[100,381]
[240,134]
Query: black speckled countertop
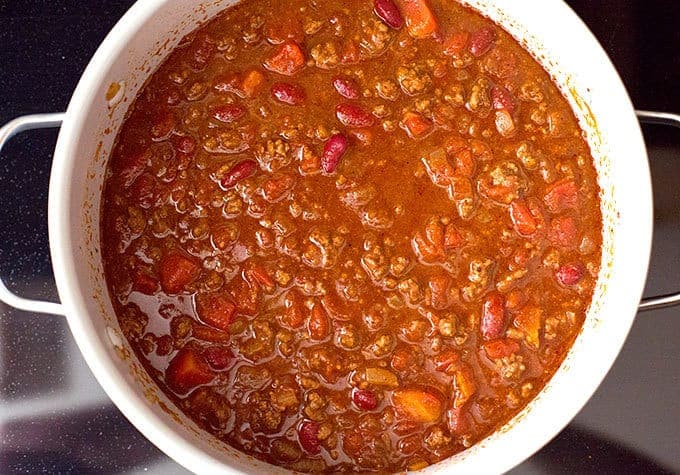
[54,418]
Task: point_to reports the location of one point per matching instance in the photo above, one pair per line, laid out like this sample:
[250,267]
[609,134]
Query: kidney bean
[238,172]
[185,144]
[228,112]
[346,87]
[352,115]
[493,316]
[308,435]
[365,399]
[291,94]
[570,274]
[502,99]
[332,152]
[481,40]
[389,13]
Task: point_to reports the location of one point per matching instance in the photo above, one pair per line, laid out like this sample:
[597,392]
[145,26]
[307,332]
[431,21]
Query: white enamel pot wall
[133,50]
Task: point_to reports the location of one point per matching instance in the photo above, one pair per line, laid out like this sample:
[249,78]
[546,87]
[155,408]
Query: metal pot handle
[44,121]
[673,120]
[20,124]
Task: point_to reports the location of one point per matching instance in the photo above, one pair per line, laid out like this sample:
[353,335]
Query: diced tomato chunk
[415,124]
[493,316]
[452,238]
[522,219]
[447,361]
[529,320]
[458,421]
[417,405]
[252,82]
[144,283]
[287,59]
[420,21]
[501,348]
[177,270]
[464,386]
[259,275]
[216,310]
[563,232]
[561,196]
[186,371]
[456,43]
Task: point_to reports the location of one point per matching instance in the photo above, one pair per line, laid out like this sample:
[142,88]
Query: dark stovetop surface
[55,418]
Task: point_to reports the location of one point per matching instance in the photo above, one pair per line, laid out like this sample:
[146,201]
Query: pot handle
[20,124]
[673,120]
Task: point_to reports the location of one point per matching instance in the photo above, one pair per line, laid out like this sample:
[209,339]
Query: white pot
[136,46]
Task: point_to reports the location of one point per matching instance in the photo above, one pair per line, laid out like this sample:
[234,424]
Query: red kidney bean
[291,94]
[352,115]
[493,317]
[308,434]
[388,12]
[481,40]
[570,274]
[185,144]
[502,99]
[228,112]
[365,399]
[332,152]
[346,87]
[239,172]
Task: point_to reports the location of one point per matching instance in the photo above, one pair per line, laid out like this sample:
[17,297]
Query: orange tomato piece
[420,21]
[216,310]
[177,270]
[522,219]
[287,59]
[417,405]
[561,196]
[252,82]
[501,348]
[529,321]
[186,371]
[415,124]
[465,386]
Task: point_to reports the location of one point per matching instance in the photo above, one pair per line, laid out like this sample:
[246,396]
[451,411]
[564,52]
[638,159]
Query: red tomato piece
[420,21]
[177,270]
[187,370]
[216,310]
[522,219]
[447,361]
[456,43]
[144,283]
[497,349]
[416,125]
[287,59]
[561,196]
[563,232]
